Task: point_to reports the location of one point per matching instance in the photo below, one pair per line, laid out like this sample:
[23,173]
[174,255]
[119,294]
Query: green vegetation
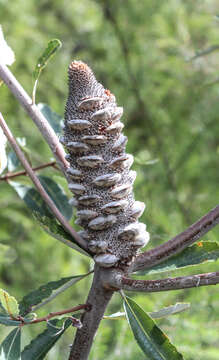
[143,52]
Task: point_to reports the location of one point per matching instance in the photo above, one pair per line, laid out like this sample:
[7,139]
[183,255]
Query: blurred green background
[141,51]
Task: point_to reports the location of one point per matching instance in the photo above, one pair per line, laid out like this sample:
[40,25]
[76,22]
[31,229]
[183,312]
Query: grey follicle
[99,174]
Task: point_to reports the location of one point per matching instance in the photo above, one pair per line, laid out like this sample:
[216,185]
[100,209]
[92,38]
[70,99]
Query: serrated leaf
[39,347]
[36,297]
[58,232]
[152,341]
[35,202]
[54,119]
[193,255]
[11,345]
[48,53]
[9,303]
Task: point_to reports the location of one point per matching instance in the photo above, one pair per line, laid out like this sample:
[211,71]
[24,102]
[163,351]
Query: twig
[207,51]
[39,187]
[182,282]
[23,172]
[53,314]
[35,114]
[172,247]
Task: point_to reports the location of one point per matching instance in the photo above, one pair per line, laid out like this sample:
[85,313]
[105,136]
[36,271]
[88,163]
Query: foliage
[141,51]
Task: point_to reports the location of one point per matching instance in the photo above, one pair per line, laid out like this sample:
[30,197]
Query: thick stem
[182,282]
[35,114]
[172,247]
[79,241]
[98,298]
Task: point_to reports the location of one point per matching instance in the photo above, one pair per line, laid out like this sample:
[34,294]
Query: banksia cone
[99,174]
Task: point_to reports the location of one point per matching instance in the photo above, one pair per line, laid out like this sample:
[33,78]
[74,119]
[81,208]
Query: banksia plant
[99,174]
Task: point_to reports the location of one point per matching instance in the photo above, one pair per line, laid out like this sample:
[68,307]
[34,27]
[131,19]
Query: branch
[35,114]
[23,172]
[207,51]
[182,282]
[98,298]
[86,307]
[39,187]
[172,247]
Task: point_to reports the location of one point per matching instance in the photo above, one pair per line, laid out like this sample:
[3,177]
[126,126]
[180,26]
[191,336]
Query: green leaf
[7,320]
[36,297]
[169,310]
[193,255]
[35,202]
[52,117]
[11,346]
[3,144]
[13,161]
[9,303]
[58,232]
[39,347]
[116,316]
[52,47]
[153,342]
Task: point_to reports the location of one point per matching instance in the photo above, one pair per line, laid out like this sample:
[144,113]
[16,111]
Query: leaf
[11,346]
[39,347]
[9,303]
[169,310]
[3,144]
[153,342]
[48,53]
[7,320]
[52,117]
[6,53]
[35,297]
[116,316]
[58,232]
[35,202]
[13,161]
[193,255]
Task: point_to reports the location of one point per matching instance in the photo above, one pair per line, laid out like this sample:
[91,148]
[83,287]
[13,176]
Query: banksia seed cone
[99,175]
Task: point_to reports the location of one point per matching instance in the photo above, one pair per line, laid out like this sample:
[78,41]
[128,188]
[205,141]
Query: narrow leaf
[11,346]
[7,320]
[45,291]
[169,310]
[193,255]
[39,347]
[9,303]
[52,47]
[58,232]
[52,117]
[35,202]
[153,342]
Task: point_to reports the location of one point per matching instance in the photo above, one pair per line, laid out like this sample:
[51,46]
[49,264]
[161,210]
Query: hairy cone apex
[99,174]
